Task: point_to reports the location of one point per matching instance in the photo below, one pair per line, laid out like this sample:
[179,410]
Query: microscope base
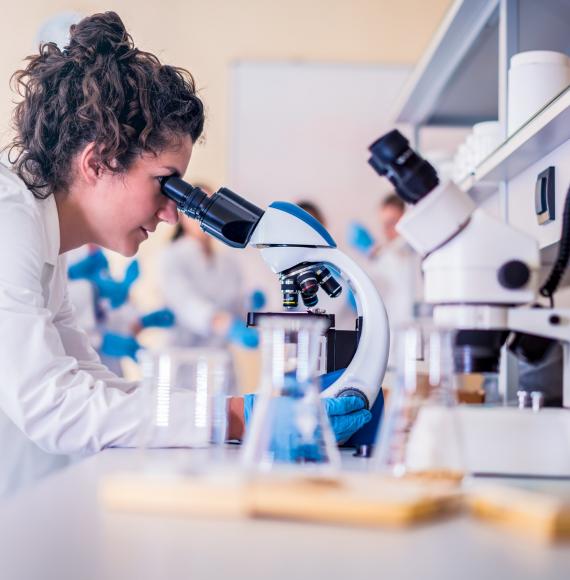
[516,442]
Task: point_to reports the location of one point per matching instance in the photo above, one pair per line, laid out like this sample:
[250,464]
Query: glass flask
[420,434]
[186,397]
[290,431]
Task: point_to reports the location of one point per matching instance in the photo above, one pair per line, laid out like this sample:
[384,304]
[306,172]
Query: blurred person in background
[104,308]
[393,265]
[203,287]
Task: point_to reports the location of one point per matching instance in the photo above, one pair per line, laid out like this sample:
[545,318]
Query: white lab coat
[52,383]
[196,287]
[396,273]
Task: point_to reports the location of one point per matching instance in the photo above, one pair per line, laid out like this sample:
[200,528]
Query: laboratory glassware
[186,390]
[289,431]
[420,433]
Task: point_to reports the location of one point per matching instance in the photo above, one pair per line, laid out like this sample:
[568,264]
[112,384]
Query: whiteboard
[302,131]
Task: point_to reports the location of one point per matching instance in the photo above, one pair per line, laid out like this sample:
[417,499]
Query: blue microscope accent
[306,217]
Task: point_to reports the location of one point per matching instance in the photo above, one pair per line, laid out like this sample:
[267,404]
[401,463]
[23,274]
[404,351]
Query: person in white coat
[99,124]
[203,287]
[392,264]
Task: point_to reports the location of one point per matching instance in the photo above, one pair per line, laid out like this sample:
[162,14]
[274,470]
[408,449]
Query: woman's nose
[168,213]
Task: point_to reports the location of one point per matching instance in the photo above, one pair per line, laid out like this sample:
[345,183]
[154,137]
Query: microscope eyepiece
[412,176]
[225,215]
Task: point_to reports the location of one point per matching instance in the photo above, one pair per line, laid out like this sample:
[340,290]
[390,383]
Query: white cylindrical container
[486,138]
[535,77]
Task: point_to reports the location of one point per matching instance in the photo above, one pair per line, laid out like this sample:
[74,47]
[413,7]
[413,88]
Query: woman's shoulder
[13,189]
[20,212]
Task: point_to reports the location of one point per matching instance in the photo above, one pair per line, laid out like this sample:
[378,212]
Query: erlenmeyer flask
[289,427]
[420,434]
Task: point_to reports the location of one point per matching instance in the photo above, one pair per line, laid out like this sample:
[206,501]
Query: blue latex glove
[159,318]
[360,238]
[257,300]
[116,292]
[346,415]
[240,333]
[118,345]
[88,267]
[131,273]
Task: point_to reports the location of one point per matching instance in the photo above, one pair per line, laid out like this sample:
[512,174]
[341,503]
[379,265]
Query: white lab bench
[57,529]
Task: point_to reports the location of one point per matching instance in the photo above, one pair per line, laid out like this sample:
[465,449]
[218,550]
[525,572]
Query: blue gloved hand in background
[257,300]
[240,333]
[116,292]
[90,266]
[360,238]
[118,345]
[346,415]
[163,318]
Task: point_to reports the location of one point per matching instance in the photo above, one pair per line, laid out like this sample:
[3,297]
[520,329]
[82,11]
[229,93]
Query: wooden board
[357,499]
[542,511]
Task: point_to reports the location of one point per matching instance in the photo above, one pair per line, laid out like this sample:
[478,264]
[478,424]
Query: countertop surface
[57,529]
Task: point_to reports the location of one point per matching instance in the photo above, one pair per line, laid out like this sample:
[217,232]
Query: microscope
[303,254]
[482,277]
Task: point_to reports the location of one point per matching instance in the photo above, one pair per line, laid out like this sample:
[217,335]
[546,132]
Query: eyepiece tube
[188,198]
[225,215]
[412,176]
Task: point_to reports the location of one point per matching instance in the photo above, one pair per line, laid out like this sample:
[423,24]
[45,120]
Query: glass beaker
[289,427]
[186,393]
[420,434]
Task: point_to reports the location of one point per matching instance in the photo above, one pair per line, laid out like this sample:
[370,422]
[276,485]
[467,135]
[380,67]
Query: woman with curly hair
[99,123]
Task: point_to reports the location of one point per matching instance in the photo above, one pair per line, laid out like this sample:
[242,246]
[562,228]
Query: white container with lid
[535,77]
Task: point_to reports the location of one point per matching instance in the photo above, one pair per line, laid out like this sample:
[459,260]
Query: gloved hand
[240,333]
[118,345]
[159,318]
[360,238]
[116,292]
[346,415]
[90,266]
[257,300]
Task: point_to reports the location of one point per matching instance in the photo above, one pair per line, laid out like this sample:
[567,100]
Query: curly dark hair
[99,89]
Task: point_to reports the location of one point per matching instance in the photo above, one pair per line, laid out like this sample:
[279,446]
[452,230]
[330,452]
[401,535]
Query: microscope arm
[366,371]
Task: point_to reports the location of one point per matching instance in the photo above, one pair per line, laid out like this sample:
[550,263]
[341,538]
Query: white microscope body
[482,274]
[288,236]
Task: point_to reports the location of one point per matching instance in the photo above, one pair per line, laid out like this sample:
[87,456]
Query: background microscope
[483,278]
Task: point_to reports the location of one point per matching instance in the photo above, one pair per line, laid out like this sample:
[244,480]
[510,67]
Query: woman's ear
[90,167]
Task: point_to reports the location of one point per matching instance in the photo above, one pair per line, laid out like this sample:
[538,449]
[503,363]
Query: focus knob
[514,274]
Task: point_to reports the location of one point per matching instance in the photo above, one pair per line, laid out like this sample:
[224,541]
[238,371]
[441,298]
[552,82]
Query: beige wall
[205,36]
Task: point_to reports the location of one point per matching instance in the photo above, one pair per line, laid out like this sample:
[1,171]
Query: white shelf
[445,87]
[546,131]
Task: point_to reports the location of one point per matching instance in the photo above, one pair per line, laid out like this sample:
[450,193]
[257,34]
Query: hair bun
[100,34]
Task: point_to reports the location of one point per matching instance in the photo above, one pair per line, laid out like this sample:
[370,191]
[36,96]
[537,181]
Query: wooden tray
[355,499]
[539,509]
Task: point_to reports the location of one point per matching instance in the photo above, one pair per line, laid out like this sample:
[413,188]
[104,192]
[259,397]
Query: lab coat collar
[51,229]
